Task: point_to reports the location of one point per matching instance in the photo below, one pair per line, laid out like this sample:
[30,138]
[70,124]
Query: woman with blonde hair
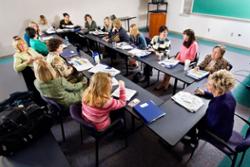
[107,26]
[43,23]
[118,33]
[51,85]
[219,118]
[136,37]
[97,102]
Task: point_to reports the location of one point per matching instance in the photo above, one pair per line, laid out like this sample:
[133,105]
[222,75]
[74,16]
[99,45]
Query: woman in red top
[188,51]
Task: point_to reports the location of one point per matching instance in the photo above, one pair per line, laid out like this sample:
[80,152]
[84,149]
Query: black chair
[236,144]
[75,112]
[58,110]
[229,66]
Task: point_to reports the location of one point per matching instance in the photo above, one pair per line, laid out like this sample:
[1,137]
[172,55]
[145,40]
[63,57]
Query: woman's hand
[121,83]
[197,68]
[199,91]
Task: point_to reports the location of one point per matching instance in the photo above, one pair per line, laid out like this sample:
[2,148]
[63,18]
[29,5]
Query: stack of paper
[169,63]
[80,64]
[139,52]
[46,38]
[189,101]
[104,68]
[129,93]
[98,32]
[197,74]
[50,30]
[114,81]
[124,46]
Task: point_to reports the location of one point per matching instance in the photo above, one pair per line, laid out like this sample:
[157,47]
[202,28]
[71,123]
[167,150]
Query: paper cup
[186,65]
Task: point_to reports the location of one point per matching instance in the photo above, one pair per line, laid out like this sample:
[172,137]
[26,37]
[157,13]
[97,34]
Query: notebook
[80,64]
[197,74]
[189,101]
[149,111]
[129,93]
[68,53]
[169,63]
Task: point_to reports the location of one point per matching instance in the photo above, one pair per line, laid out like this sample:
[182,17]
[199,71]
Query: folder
[149,111]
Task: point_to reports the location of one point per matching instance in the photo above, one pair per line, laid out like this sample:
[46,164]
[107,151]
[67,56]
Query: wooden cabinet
[156,20]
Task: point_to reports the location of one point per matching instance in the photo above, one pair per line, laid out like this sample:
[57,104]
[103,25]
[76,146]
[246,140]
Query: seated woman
[43,23]
[35,43]
[138,40]
[65,21]
[214,61]
[60,65]
[188,51]
[50,85]
[23,58]
[161,45]
[118,33]
[90,24]
[97,101]
[107,26]
[219,118]
[34,25]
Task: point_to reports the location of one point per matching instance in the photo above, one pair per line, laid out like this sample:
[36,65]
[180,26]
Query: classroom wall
[218,29]
[15,14]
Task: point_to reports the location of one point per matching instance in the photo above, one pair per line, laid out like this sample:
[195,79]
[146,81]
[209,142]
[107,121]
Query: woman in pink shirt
[97,102]
[188,51]
[189,47]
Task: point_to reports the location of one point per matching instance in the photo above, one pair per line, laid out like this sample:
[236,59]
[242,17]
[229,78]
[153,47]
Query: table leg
[175,85]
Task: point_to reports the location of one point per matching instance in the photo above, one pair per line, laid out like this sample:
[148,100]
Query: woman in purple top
[219,118]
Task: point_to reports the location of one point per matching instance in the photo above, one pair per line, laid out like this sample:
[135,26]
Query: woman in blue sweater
[219,118]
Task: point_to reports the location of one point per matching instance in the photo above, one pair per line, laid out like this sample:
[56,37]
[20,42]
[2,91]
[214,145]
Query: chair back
[76,114]
[52,103]
[229,66]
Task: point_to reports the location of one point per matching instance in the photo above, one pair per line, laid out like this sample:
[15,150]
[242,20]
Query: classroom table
[152,60]
[43,152]
[178,121]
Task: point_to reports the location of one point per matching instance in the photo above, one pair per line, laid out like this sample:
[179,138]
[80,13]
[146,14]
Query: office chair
[54,107]
[75,112]
[236,144]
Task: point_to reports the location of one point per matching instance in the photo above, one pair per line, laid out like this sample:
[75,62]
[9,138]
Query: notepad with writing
[189,101]
[149,111]
[169,63]
[104,68]
[197,74]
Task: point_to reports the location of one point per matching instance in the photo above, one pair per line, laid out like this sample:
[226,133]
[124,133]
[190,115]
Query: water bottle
[66,40]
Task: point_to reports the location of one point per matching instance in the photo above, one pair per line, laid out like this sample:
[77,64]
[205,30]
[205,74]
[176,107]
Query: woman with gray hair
[219,118]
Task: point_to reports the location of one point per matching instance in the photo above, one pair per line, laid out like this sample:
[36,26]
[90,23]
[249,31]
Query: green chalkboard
[239,9]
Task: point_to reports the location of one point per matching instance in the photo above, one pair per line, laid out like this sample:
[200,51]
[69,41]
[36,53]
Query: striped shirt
[99,117]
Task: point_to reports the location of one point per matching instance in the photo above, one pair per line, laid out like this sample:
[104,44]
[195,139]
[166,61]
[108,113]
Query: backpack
[22,121]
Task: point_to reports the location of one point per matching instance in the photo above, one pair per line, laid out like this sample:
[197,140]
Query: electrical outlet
[208,30]
[232,34]
[239,35]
